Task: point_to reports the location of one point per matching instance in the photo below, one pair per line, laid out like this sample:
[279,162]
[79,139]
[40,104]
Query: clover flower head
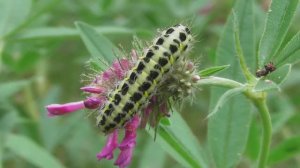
[176,86]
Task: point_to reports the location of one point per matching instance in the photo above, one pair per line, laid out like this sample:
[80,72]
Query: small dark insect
[268,68]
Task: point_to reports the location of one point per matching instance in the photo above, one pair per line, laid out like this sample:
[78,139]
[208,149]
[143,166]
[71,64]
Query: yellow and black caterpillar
[141,81]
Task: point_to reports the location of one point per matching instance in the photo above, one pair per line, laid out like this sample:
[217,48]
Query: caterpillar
[141,81]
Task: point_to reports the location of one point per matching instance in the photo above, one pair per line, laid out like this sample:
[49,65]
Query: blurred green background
[43,59]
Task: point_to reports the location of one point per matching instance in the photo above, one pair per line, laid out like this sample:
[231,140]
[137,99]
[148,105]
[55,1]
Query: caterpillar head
[177,39]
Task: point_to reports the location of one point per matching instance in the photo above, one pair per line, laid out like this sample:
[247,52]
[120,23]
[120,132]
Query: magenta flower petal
[120,67]
[145,117]
[164,109]
[124,157]
[111,145]
[107,75]
[129,140]
[61,109]
[92,102]
[133,124]
[93,89]
[128,143]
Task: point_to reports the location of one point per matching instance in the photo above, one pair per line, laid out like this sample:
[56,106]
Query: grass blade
[285,150]
[30,151]
[65,32]
[212,70]
[13,13]
[178,140]
[101,49]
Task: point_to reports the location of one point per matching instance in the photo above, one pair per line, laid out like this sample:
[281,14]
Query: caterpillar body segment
[142,80]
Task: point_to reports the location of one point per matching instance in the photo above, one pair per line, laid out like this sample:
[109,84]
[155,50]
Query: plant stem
[262,108]
[217,81]
[239,51]
[259,100]
[1,52]
[30,104]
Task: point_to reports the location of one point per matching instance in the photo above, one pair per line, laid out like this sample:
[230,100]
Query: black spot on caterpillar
[160,41]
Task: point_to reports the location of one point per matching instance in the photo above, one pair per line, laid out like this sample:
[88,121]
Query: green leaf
[265,85]
[30,151]
[165,121]
[277,23]
[2,137]
[10,118]
[94,65]
[101,49]
[228,129]
[151,152]
[26,61]
[1,148]
[47,32]
[9,88]
[280,74]
[290,53]
[226,97]
[282,110]
[285,150]
[254,140]
[212,70]
[293,79]
[53,130]
[83,132]
[12,14]
[65,32]
[179,141]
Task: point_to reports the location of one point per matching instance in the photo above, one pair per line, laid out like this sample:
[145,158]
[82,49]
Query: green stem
[239,51]
[217,81]
[30,104]
[259,100]
[1,52]
[262,108]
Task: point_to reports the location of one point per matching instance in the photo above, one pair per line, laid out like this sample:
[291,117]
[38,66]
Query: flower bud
[92,103]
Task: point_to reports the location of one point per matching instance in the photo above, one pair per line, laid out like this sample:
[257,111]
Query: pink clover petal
[126,65]
[120,67]
[146,115]
[92,102]
[118,70]
[164,108]
[133,124]
[93,89]
[107,75]
[148,110]
[129,139]
[61,109]
[124,157]
[111,145]
[128,143]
